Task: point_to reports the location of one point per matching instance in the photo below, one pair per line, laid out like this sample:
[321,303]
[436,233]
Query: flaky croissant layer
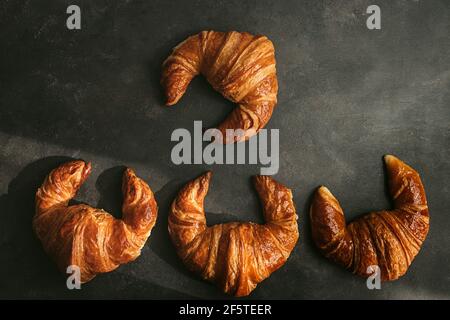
[389,239]
[235,256]
[239,65]
[86,237]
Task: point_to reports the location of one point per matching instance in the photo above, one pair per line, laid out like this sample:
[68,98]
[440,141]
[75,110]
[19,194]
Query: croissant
[239,65]
[236,256]
[87,237]
[387,239]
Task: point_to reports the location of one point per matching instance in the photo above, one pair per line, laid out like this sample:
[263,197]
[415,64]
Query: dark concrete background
[347,96]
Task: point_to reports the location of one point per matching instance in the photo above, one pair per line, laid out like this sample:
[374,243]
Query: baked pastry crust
[235,256]
[239,65]
[389,239]
[88,237]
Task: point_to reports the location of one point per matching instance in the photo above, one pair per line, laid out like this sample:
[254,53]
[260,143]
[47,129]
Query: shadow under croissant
[160,241]
[32,271]
[109,186]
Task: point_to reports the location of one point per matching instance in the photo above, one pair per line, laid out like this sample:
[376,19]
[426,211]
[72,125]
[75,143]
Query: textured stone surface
[347,96]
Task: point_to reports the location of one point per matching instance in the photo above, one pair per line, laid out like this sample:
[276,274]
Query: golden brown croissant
[236,256]
[387,239]
[239,65]
[87,237]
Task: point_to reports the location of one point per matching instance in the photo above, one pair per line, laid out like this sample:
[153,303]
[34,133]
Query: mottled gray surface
[347,96]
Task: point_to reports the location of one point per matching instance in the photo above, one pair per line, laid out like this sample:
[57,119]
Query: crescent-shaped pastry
[86,237]
[236,256]
[388,239]
[239,65]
